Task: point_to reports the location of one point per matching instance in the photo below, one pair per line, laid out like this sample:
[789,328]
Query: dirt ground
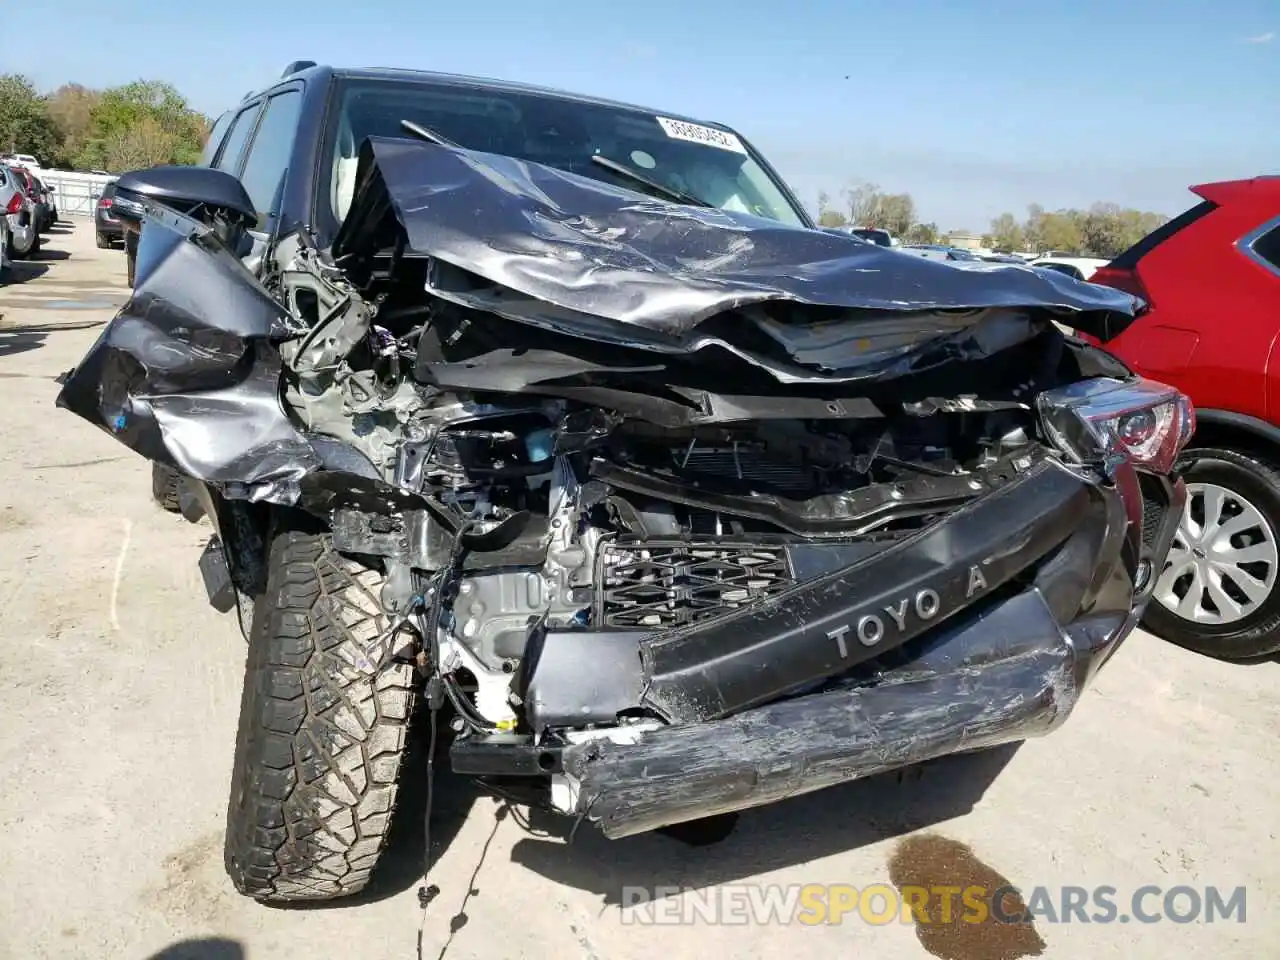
[119,694]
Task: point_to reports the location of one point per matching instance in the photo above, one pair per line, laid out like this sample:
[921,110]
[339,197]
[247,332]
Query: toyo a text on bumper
[676,511]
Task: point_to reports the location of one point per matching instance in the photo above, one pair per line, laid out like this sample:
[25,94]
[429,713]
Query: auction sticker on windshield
[697,133]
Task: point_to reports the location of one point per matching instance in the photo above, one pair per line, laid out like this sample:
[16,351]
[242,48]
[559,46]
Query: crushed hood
[582,249]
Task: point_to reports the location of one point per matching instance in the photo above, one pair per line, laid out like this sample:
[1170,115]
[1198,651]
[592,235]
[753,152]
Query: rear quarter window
[1266,248]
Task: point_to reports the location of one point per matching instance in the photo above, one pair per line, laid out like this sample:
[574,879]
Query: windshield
[705,163]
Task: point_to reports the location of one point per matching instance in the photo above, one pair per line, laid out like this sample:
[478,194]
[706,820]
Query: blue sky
[974,106]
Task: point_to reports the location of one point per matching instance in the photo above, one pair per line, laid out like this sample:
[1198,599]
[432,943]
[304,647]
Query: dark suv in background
[108,230]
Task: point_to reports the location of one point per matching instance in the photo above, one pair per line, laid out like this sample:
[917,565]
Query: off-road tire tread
[321,739]
[1258,640]
[164,488]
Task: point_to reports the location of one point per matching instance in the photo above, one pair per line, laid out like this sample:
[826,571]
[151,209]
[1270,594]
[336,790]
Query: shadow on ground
[23,271]
[21,339]
[52,255]
[783,835]
[205,948]
[703,854]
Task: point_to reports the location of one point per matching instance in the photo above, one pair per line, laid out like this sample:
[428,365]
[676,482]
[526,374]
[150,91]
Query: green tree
[71,107]
[922,233]
[829,216]
[896,213]
[146,120]
[1109,229]
[1061,231]
[1007,233]
[25,124]
[869,206]
[863,200]
[1032,228]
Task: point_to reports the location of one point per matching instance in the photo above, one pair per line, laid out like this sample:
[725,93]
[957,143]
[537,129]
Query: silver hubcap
[1223,561]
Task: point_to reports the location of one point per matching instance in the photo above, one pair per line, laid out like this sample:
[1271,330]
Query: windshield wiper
[427,134]
[671,193]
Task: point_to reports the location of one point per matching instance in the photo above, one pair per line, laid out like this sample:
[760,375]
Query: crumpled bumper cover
[1007,669]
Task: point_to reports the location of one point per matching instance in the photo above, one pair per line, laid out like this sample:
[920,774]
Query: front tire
[165,487]
[321,739]
[1219,591]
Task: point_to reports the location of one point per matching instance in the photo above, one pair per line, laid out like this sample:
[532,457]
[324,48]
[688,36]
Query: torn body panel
[188,372]
[999,691]
[1011,666]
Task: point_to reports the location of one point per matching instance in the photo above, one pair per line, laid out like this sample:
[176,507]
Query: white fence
[76,194]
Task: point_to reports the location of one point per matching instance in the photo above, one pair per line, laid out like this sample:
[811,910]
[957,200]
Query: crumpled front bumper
[1007,669]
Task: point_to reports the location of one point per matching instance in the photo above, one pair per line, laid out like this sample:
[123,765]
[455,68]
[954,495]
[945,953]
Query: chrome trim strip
[1246,244]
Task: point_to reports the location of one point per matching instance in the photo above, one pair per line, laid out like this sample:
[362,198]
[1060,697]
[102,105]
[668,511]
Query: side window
[215,137]
[241,128]
[269,154]
[1267,248]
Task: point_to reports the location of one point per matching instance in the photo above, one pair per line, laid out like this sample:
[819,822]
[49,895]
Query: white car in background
[1078,268]
[22,160]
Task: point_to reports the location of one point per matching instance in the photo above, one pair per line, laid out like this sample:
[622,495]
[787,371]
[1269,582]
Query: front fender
[188,374]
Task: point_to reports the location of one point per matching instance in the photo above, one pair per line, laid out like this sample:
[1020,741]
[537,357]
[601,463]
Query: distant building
[965,241]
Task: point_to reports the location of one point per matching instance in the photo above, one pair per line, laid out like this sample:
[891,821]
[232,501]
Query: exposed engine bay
[590,487]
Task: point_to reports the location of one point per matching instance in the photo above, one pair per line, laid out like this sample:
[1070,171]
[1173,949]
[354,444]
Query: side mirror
[186,189]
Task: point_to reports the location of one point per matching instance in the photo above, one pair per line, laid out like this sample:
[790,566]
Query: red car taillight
[1122,279]
[104,202]
[15,203]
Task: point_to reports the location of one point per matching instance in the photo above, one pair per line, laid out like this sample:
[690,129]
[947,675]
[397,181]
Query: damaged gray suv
[556,421]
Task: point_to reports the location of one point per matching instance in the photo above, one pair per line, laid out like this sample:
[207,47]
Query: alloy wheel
[1224,559]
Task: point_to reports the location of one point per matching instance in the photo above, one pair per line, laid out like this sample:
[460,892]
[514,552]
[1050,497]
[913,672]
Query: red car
[1212,279]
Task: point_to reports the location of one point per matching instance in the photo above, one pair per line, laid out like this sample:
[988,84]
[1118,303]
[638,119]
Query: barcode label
[697,133]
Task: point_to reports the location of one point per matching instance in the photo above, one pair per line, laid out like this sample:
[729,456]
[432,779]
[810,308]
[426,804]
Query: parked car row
[41,195]
[25,212]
